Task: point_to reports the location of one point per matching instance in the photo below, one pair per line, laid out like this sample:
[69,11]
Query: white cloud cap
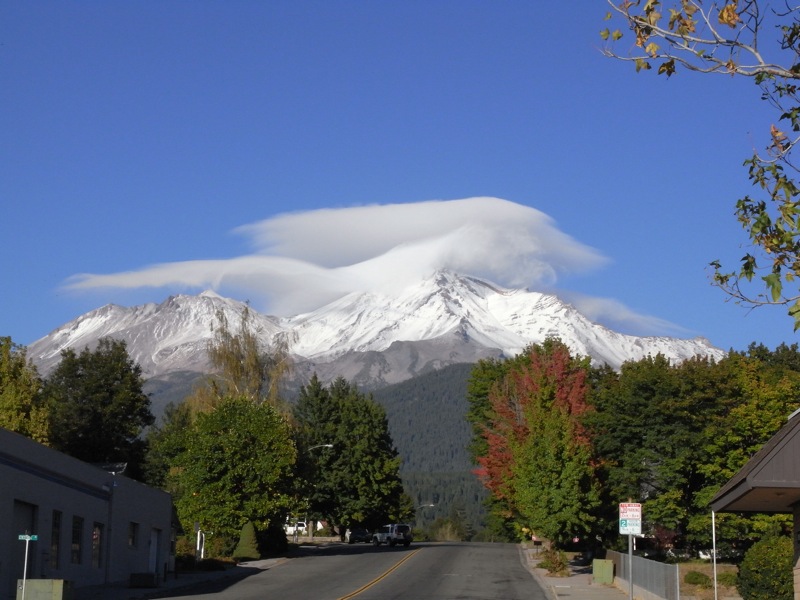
[304,260]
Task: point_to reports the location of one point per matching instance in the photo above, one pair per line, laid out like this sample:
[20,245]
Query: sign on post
[630,524]
[630,518]
[24,537]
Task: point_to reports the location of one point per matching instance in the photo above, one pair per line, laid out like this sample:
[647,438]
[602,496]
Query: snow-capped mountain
[370,338]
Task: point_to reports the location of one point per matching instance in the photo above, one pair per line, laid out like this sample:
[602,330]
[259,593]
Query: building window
[55,541]
[77,539]
[97,545]
[133,535]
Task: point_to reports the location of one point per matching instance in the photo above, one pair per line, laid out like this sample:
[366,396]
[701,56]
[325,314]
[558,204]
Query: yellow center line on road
[364,588]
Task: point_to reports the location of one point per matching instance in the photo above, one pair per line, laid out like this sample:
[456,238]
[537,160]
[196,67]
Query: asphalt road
[442,571]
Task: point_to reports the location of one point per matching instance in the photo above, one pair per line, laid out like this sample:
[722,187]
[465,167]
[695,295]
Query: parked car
[357,534]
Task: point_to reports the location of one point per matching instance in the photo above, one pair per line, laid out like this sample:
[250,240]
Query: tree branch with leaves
[745,38]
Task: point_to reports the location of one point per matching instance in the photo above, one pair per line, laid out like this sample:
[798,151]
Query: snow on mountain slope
[446,308]
[170,336]
[487,314]
[363,322]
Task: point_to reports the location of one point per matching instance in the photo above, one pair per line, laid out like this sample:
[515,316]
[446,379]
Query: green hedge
[766,570]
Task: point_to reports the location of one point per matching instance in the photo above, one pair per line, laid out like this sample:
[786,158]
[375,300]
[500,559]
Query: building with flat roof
[91,526]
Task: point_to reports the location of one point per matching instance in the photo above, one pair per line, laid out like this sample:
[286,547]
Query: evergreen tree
[165,442]
[97,408]
[247,548]
[357,480]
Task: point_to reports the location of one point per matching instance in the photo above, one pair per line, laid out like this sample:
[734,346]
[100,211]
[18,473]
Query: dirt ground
[706,593]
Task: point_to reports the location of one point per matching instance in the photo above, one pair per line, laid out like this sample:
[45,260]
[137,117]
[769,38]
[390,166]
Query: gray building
[92,526]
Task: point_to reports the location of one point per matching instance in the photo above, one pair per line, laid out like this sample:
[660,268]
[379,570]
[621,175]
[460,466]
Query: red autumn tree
[537,460]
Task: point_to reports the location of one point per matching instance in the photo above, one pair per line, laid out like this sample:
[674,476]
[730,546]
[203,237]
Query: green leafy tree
[21,406]
[97,408]
[649,430]
[742,39]
[761,390]
[357,480]
[670,436]
[538,460]
[237,467]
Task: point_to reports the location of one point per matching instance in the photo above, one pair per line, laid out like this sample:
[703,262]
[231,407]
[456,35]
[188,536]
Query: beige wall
[35,481]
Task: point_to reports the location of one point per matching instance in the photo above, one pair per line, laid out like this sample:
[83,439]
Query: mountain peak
[209,294]
[459,317]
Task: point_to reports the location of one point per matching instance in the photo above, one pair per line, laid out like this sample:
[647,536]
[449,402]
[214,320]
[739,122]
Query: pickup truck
[393,534]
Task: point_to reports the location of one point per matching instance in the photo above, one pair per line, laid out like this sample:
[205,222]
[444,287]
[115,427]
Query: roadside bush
[697,578]
[213,564]
[219,546]
[185,560]
[728,579]
[766,570]
[555,561]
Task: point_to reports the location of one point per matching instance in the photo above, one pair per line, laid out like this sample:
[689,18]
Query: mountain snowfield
[371,338]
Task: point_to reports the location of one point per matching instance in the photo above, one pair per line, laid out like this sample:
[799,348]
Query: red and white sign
[630,518]
[630,510]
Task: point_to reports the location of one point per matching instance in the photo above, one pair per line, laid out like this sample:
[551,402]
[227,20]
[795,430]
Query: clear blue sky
[138,134]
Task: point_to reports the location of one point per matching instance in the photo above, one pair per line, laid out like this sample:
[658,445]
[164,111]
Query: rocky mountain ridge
[371,338]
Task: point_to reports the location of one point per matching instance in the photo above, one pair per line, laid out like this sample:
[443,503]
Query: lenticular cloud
[302,260]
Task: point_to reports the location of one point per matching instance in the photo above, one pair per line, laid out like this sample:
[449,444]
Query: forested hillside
[427,421]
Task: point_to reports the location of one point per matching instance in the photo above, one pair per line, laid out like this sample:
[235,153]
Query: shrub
[555,561]
[697,578]
[728,579]
[766,570]
[213,564]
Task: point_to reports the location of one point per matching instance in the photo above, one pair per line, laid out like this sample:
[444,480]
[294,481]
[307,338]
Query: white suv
[393,534]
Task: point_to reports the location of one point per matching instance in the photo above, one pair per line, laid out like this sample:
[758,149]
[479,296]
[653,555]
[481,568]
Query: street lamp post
[421,506]
[312,526]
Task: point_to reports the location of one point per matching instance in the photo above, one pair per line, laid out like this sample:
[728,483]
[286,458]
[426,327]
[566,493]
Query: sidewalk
[578,584]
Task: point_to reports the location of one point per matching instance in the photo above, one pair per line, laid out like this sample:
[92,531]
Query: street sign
[630,518]
[630,526]
[28,538]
